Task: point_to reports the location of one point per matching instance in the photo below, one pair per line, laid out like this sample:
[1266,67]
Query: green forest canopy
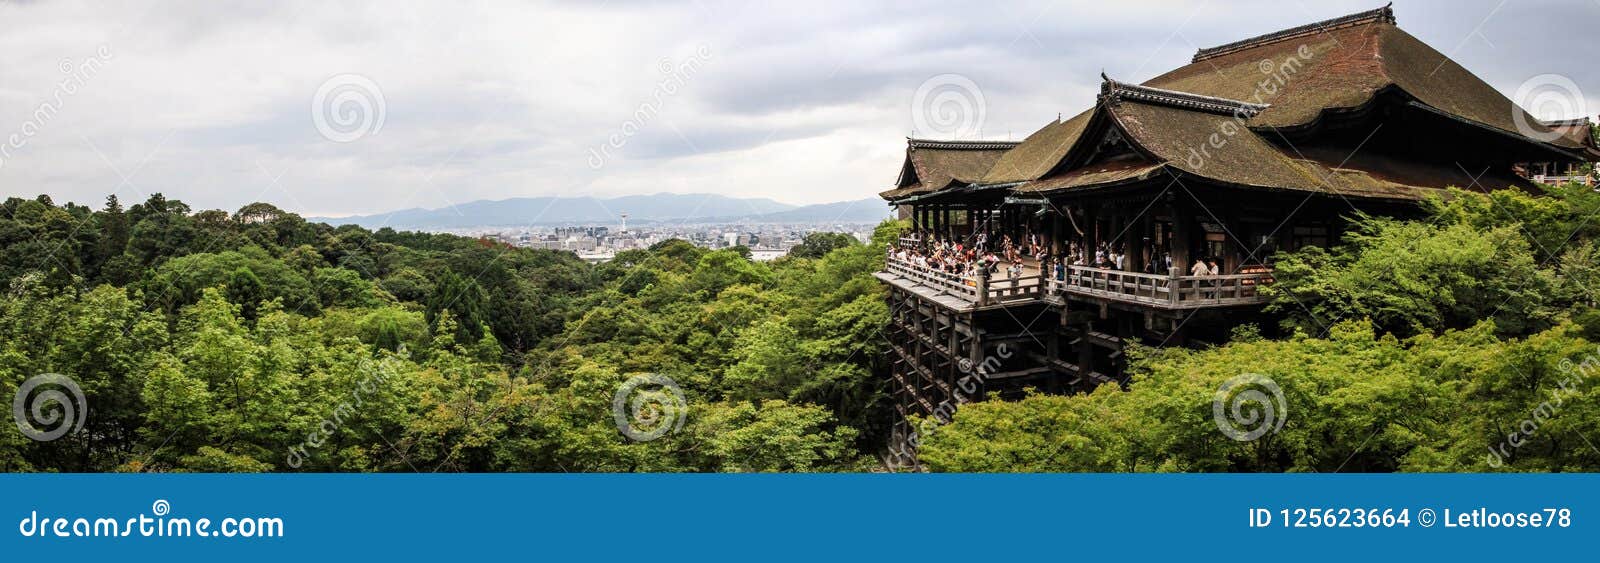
[216,342]
[1461,341]
[209,341]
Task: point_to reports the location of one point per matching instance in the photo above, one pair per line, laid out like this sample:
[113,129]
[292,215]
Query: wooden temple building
[1256,147]
[1580,130]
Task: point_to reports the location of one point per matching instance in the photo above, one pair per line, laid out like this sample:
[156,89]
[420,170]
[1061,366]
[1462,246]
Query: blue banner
[796,517]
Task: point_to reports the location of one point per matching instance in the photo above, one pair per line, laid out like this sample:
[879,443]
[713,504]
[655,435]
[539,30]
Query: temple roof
[1380,15]
[1578,130]
[933,165]
[1176,138]
[1112,92]
[1038,153]
[1282,81]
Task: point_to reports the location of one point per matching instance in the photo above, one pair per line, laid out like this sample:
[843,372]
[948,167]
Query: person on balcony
[1214,286]
[991,262]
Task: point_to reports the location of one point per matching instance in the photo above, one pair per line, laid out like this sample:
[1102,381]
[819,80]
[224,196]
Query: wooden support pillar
[1091,235]
[1058,235]
[1143,241]
[977,351]
[1085,352]
[1115,236]
[1014,224]
[952,336]
[1242,238]
[1130,243]
[1052,348]
[1182,234]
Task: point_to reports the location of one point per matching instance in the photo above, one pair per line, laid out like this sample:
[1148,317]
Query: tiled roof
[1281,81]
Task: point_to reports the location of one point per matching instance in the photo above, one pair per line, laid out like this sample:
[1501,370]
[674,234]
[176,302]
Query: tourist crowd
[975,256]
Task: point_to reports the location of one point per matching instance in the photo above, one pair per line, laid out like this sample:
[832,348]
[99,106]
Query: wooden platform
[1033,286]
[930,292]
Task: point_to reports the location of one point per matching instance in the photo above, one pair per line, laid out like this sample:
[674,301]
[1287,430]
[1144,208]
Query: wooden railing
[944,282]
[978,289]
[1170,291]
[1005,289]
[1117,284]
[1557,180]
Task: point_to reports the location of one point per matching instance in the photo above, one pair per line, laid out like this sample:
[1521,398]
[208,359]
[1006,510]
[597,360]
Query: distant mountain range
[641,209]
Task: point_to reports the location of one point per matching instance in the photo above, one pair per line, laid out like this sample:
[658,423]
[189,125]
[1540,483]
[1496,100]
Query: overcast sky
[337,108]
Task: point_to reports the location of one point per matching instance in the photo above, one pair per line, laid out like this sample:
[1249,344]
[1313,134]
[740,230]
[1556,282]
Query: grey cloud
[800,102]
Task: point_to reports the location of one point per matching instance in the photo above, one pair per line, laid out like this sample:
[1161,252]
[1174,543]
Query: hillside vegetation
[256,341]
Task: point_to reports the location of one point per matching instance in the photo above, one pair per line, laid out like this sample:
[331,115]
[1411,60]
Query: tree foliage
[1461,341]
[255,341]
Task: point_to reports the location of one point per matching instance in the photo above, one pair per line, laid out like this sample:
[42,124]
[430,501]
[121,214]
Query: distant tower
[624,222]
